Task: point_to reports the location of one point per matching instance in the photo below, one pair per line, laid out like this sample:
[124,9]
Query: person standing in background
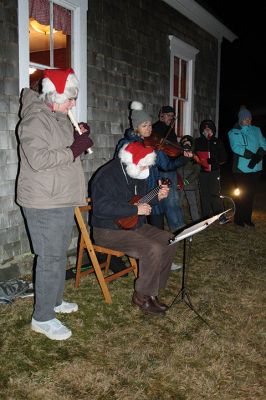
[190,180]
[248,146]
[212,155]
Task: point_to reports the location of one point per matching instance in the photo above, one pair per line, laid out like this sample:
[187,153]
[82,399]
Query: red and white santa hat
[60,85]
[135,155]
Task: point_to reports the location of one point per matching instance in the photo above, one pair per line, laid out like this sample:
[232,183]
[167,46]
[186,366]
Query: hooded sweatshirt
[48,177]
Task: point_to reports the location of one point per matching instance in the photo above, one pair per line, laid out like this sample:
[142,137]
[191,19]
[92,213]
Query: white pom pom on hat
[136,105]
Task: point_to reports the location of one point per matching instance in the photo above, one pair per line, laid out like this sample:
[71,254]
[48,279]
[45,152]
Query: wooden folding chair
[101,269]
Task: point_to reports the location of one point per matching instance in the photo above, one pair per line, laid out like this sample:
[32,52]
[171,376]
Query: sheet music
[200,226]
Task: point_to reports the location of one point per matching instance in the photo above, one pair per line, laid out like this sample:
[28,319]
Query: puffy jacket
[163,163]
[245,141]
[210,151]
[48,177]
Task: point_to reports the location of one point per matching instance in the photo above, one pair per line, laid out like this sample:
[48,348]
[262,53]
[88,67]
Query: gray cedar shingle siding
[128,58]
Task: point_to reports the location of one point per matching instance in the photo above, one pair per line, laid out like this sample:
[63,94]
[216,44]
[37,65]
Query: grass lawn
[116,352]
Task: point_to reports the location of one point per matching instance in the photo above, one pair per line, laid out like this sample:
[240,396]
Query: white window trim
[180,49]
[79,54]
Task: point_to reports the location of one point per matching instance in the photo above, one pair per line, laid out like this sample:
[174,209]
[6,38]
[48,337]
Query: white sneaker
[176,267]
[66,307]
[53,329]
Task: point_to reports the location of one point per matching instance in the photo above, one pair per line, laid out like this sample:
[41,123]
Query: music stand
[188,233]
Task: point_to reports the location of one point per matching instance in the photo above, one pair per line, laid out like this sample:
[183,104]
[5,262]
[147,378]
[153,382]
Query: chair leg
[107,263]
[134,264]
[100,277]
[79,261]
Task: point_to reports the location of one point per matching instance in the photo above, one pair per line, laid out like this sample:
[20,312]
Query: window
[53,34]
[181,84]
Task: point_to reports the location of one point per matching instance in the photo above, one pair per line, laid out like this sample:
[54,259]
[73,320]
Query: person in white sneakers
[50,184]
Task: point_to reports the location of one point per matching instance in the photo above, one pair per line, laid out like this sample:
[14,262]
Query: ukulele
[131,222]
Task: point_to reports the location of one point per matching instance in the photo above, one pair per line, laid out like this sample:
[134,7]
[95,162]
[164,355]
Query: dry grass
[118,353]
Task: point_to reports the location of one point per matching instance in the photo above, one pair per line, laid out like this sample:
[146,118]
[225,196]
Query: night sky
[243,65]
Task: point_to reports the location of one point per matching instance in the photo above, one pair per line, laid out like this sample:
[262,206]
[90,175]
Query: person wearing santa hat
[165,167]
[50,184]
[112,188]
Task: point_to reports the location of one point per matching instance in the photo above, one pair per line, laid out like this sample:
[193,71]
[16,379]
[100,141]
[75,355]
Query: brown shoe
[162,306]
[146,304]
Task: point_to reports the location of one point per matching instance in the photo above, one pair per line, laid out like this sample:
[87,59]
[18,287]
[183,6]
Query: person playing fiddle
[171,207]
[112,188]
[141,128]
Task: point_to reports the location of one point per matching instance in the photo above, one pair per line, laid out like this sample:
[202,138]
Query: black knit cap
[167,109]
[187,138]
[207,123]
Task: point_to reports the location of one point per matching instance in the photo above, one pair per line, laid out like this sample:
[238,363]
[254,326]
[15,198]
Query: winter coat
[163,163]
[162,129]
[245,141]
[48,177]
[111,191]
[190,174]
[211,152]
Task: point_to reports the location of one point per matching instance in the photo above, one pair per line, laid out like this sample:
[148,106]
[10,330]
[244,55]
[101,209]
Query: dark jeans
[147,244]
[171,205]
[50,233]
[247,183]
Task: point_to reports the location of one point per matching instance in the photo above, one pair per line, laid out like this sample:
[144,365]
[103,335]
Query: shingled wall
[128,59]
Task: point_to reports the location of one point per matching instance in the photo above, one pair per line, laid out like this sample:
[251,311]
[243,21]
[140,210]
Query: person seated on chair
[112,188]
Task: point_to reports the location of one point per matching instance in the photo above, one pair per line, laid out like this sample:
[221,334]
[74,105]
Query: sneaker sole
[66,312]
[52,337]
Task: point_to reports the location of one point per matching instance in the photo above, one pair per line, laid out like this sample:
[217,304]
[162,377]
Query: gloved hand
[261,151]
[84,127]
[81,143]
[248,154]
[255,159]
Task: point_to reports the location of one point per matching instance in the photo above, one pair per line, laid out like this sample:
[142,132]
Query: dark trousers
[211,203]
[147,244]
[247,184]
[156,220]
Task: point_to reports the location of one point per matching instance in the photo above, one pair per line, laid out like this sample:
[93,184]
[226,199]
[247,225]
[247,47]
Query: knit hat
[138,115]
[166,110]
[135,155]
[60,84]
[187,138]
[244,113]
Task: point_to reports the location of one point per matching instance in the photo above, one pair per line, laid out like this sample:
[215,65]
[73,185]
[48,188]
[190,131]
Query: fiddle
[169,148]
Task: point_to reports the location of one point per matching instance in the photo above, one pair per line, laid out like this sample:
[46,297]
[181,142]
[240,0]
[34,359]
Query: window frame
[188,53]
[79,48]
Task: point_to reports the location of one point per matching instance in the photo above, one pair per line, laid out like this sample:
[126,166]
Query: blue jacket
[245,142]
[163,163]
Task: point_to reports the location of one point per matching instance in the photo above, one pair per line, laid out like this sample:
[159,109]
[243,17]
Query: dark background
[243,65]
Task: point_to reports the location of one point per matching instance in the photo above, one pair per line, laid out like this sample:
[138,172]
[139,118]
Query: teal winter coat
[246,142]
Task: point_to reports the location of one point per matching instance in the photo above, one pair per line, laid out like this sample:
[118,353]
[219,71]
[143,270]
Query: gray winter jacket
[48,177]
